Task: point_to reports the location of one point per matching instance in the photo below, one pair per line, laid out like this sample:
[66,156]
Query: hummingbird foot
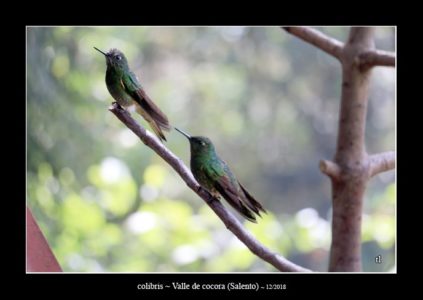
[210,197]
[199,188]
[115,106]
[115,103]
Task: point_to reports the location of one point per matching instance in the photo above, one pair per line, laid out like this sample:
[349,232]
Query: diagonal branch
[279,262]
[381,162]
[323,42]
[373,58]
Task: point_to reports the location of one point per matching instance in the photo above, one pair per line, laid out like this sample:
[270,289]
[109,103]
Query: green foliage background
[268,101]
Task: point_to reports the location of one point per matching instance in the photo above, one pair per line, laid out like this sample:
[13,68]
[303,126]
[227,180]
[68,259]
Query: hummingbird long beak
[100,51]
[184,133]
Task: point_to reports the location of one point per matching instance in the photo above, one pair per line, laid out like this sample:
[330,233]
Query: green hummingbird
[213,174]
[125,88]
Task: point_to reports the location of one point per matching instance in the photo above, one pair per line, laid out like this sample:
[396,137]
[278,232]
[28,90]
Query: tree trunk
[349,185]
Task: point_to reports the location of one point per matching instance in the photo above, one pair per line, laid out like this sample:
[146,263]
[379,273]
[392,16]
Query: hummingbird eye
[203,144]
[118,57]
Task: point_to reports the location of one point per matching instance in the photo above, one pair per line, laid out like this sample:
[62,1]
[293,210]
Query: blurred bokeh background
[268,101]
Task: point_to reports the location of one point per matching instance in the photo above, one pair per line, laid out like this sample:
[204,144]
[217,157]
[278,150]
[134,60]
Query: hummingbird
[214,175]
[125,88]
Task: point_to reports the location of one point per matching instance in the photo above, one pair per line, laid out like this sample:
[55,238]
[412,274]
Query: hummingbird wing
[134,88]
[227,185]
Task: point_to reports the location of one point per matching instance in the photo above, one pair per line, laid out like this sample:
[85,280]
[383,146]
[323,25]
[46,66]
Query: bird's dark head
[115,59]
[199,144]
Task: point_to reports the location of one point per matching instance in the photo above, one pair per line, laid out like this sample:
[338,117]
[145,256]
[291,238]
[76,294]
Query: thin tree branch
[323,42]
[381,162]
[330,168]
[377,58]
[279,262]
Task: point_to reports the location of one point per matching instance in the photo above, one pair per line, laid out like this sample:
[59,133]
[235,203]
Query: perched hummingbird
[124,87]
[213,174]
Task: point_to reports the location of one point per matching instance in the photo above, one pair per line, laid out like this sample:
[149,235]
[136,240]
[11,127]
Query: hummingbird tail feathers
[152,109]
[155,125]
[157,130]
[252,203]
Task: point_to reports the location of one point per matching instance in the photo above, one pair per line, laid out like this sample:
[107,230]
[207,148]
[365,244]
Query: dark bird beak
[105,54]
[184,133]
